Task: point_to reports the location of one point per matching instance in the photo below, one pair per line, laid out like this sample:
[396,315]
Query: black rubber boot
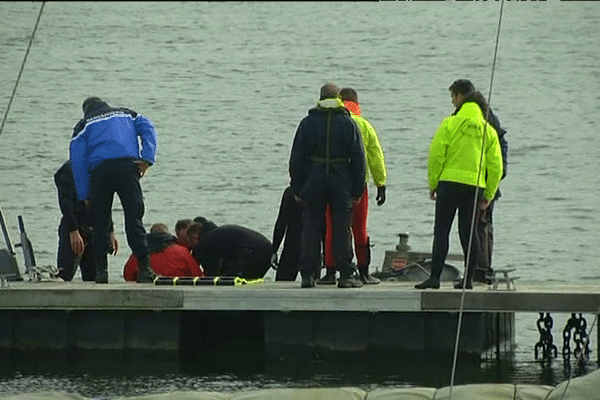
[329,277]
[433,282]
[468,283]
[351,281]
[145,274]
[365,277]
[430,283]
[101,269]
[349,278]
[308,279]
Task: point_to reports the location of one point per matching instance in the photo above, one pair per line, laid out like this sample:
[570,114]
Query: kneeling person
[167,256]
[232,250]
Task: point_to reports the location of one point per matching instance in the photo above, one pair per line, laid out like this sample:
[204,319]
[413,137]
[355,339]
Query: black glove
[380,195]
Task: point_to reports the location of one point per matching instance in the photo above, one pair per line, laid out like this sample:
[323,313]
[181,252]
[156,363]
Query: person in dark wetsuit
[231,250]
[288,224]
[327,167]
[75,230]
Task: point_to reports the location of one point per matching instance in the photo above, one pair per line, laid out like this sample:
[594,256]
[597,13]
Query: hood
[159,241]
[352,106]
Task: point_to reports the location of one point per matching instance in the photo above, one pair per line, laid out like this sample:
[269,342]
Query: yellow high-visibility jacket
[373,151]
[455,152]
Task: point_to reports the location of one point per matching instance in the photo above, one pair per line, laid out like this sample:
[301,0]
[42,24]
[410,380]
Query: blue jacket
[317,169]
[106,133]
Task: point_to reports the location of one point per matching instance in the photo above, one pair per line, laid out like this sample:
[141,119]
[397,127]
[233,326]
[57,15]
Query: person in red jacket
[167,256]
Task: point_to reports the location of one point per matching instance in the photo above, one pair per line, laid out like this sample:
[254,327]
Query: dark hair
[329,90]
[205,224]
[477,97]
[462,86]
[349,94]
[90,103]
[194,229]
[182,224]
[159,227]
[200,220]
[208,226]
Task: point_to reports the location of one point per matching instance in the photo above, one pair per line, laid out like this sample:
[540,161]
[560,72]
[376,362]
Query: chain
[582,350]
[548,349]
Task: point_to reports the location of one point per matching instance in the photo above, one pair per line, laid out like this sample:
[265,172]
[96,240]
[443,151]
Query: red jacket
[175,260]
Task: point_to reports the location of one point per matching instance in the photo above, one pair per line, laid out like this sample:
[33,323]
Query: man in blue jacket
[327,166]
[110,151]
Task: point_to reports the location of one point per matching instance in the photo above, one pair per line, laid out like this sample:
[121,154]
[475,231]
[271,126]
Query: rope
[22,67]
[475,205]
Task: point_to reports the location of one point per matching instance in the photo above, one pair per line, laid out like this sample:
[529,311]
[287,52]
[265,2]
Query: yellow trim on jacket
[455,152]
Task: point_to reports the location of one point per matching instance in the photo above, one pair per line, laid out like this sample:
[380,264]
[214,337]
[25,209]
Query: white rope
[22,67]
[475,205]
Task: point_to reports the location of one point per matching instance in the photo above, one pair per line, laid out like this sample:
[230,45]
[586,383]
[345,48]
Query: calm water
[227,83]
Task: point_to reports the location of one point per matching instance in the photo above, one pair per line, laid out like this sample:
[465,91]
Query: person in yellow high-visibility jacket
[376,166]
[464,151]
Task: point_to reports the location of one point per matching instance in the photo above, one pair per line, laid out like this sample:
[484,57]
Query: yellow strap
[237,281]
[241,281]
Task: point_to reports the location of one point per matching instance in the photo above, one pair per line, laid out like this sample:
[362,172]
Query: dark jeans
[452,196]
[67,262]
[119,176]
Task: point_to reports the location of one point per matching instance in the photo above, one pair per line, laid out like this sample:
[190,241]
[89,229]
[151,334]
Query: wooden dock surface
[288,296]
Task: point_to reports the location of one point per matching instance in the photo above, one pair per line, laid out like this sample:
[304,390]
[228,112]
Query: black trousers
[313,215]
[120,176]
[485,232]
[288,262]
[67,262]
[453,197]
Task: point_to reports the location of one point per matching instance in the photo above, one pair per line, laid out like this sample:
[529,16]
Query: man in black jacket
[231,250]
[327,166]
[75,231]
